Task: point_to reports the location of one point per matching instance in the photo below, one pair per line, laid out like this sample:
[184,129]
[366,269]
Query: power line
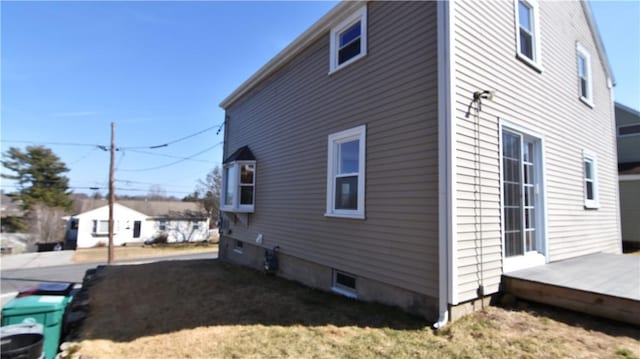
[166,144]
[55,143]
[175,162]
[169,156]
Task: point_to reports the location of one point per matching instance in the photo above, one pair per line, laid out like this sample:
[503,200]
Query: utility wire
[166,144]
[173,163]
[56,143]
[169,156]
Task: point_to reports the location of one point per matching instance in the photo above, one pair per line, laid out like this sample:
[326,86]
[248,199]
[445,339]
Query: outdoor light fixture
[486,94]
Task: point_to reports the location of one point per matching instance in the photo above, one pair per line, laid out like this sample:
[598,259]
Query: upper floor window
[238,182]
[345,173]
[528,33]
[584,75]
[590,180]
[628,130]
[349,40]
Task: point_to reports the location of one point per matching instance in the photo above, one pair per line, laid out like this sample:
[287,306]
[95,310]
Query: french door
[522,195]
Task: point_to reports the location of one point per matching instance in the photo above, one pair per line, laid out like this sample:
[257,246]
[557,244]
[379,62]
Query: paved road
[34,270]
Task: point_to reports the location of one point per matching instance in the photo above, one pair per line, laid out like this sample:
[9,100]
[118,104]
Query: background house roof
[159,209]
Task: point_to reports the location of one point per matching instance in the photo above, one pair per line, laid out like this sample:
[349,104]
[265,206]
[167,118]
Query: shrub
[161,238]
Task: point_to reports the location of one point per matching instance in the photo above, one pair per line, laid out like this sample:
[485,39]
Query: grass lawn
[210,309]
[92,255]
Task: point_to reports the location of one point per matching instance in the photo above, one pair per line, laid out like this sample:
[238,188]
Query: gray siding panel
[545,102]
[286,122]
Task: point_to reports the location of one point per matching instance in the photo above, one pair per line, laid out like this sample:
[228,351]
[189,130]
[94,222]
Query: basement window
[344,284]
[238,182]
[349,40]
[239,245]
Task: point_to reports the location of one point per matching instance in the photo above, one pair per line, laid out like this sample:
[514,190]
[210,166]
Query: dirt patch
[209,309]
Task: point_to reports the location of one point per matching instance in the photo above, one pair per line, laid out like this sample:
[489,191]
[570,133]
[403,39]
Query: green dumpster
[47,310]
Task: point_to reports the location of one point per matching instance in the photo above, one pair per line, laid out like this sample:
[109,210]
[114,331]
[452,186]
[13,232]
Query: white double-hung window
[345,173]
[584,75]
[349,40]
[528,32]
[590,180]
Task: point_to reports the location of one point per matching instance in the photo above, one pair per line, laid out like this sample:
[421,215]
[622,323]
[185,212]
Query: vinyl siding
[547,103]
[286,121]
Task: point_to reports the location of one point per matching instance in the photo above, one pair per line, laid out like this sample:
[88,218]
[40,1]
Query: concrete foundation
[321,277]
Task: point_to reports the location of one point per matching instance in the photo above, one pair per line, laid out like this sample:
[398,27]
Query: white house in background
[136,222]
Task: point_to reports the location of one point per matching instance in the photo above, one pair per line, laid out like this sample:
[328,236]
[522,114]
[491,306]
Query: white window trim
[590,203]
[529,259]
[536,62]
[358,15]
[97,227]
[628,134]
[343,290]
[357,133]
[236,207]
[582,51]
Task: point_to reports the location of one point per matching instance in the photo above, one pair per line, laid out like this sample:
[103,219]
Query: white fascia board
[320,28]
[598,40]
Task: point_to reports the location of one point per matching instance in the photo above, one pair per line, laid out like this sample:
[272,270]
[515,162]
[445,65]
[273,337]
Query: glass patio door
[520,193]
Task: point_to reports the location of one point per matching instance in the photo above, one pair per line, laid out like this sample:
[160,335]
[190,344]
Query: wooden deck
[605,285]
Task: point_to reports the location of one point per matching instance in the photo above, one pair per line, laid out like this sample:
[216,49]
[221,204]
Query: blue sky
[160,69]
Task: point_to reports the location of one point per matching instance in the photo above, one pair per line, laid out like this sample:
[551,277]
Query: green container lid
[34,304]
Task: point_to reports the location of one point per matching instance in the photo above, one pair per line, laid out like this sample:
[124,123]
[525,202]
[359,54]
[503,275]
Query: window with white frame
[349,40]
[162,225]
[239,186]
[590,180]
[238,182]
[584,75]
[100,226]
[527,31]
[345,173]
[344,284]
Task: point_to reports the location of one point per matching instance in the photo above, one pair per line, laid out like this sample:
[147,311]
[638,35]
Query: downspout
[445,163]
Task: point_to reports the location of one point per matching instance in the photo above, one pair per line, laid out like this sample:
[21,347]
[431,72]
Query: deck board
[611,274]
[605,285]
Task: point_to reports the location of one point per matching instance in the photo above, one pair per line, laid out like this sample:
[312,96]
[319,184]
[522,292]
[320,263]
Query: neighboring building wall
[286,122]
[630,211]
[124,219]
[178,230]
[628,145]
[546,102]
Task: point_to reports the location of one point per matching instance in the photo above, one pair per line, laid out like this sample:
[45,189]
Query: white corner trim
[448,280]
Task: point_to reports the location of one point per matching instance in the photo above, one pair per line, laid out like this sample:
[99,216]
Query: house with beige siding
[410,153]
[628,132]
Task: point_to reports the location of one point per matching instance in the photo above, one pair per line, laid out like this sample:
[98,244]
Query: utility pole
[111,191]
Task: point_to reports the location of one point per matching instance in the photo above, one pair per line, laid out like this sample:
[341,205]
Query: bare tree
[156,192]
[208,192]
[46,224]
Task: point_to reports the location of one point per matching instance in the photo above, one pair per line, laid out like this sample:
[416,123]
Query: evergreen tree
[39,173]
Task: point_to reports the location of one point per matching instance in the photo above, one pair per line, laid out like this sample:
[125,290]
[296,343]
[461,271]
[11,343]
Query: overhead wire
[175,162]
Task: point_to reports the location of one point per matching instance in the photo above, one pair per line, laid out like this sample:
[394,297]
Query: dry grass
[93,255]
[209,309]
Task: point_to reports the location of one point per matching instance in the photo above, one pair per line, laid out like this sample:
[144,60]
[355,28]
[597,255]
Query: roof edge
[331,18]
[586,6]
[627,108]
